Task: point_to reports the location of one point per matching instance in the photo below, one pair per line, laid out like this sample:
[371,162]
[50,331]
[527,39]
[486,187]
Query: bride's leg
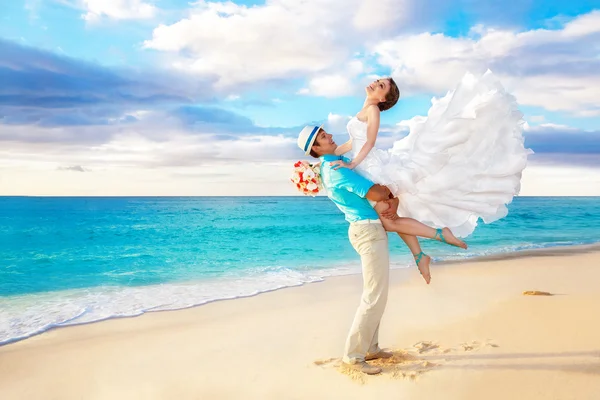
[412,242]
[422,259]
[413,227]
[402,225]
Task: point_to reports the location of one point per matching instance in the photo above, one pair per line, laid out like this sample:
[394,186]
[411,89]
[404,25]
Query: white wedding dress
[460,163]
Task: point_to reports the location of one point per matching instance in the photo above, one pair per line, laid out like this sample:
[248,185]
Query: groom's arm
[392,210]
[350,180]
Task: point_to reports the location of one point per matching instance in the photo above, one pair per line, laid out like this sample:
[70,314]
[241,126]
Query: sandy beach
[471,334]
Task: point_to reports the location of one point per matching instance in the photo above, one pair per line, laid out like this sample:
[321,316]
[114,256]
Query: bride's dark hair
[391,98]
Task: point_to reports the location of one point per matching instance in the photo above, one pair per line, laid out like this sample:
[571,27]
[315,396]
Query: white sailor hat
[307,137]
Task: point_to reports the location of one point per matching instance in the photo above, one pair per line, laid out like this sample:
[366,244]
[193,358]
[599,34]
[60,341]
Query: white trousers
[371,242]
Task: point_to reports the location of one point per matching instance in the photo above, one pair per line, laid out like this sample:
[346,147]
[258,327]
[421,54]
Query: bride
[461,163]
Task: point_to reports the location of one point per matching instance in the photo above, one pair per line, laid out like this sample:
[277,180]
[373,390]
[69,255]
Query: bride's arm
[372,129]
[344,148]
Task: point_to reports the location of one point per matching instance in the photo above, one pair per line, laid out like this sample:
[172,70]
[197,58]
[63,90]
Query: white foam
[27,315]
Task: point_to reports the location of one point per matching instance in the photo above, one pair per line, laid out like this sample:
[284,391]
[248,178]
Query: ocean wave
[511,249]
[23,316]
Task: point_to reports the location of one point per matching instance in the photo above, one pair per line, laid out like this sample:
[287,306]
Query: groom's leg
[374,346]
[370,242]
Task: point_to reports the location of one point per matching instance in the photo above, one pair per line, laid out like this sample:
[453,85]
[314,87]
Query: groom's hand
[392,210]
[341,164]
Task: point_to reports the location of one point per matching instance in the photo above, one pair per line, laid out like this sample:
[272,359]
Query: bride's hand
[341,164]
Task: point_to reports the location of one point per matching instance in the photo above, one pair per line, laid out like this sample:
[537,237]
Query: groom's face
[324,143]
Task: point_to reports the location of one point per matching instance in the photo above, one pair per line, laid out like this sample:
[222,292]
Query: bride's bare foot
[448,237]
[423,261]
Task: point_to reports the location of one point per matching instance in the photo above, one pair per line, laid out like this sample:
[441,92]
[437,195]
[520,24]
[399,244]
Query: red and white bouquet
[307,178]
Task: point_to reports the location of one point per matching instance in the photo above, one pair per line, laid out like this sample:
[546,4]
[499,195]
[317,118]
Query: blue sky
[149,97]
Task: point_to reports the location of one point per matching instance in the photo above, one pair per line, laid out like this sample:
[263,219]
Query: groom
[351,194]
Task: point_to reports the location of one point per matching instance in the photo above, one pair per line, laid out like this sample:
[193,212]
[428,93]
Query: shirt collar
[330,157]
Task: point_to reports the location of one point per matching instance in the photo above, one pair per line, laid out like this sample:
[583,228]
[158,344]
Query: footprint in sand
[476,345]
[325,362]
[536,293]
[401,365]
[404,363]
[425,346]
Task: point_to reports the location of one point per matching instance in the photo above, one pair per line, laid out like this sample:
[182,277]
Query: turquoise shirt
[347,190]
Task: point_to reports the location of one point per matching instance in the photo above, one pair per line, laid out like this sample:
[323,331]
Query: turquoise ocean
[66,261]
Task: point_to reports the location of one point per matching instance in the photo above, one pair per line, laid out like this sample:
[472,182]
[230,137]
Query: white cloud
[333,85]
[336,124]
[381,15]
[260,180]
[537,118]
[147,158]
[555,69]
[118,9]
[545,127]
[540,180]
[345,81]
[32,8]
[588,113]
[320,41]
[137,160]
[183,149]
[323,41]
[76,168]
[427,62]
[281,39]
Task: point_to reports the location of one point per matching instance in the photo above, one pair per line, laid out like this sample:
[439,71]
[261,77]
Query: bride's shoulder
[367,112]
[372,110]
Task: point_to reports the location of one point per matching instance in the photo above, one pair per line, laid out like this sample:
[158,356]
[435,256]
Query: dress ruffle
[462,162]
